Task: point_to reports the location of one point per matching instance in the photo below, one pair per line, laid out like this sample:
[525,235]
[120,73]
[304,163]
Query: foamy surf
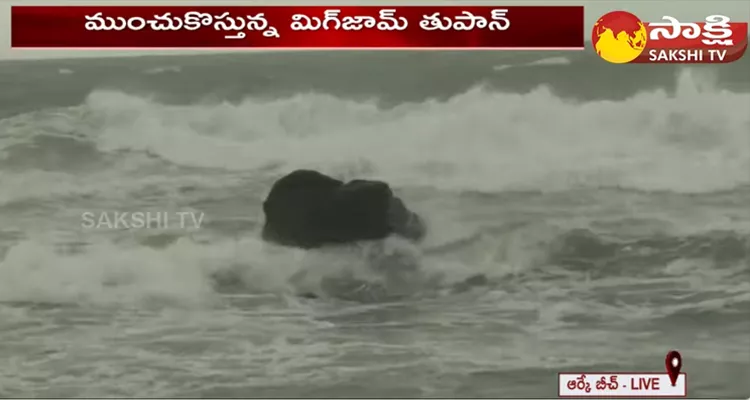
[542,62]
[161,70]
[470,142]
[587,234]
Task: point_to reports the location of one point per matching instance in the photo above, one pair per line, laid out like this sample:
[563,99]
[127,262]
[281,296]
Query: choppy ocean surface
[608,206]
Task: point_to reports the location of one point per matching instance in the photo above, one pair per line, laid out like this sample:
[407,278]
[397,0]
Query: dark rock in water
[308,209]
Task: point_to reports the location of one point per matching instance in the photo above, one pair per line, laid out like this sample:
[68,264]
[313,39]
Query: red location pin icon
[674,365]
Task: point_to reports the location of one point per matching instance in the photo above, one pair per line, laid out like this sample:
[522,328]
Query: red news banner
[714,40]
[351,27]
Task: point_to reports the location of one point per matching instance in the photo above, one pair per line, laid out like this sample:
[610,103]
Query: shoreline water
[605,204]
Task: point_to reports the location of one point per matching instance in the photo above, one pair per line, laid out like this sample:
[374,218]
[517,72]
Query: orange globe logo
[619,37]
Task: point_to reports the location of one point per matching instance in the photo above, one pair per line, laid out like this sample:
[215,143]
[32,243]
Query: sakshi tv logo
[620,37]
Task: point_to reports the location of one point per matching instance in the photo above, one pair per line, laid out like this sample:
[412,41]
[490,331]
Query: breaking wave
[694,141]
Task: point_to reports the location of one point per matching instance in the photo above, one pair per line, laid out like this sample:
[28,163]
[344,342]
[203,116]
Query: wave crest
[692,141]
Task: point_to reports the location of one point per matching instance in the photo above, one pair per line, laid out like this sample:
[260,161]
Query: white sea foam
[114,344]
[694,141]
[542,62]
[161,70]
